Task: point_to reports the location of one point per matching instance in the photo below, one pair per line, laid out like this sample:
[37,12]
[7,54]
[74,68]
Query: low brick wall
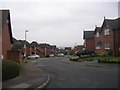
[14,55]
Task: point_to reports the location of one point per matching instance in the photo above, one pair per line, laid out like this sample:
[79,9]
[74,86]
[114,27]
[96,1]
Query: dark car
[84,52]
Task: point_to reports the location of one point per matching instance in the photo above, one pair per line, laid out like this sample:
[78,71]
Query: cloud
[58,22]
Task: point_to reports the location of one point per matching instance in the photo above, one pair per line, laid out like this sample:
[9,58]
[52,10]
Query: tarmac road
[68,74]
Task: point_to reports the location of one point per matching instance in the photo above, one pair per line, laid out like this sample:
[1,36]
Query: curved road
[68,74]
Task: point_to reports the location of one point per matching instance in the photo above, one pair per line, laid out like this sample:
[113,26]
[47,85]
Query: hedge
[114,60]
[10,69]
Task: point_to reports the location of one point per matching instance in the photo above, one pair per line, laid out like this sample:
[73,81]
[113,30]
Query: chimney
[104,17]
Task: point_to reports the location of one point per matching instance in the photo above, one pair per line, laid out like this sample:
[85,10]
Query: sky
[58,22]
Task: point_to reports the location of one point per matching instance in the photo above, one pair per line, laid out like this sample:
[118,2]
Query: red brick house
[28,47]
[67,50]
[104,39]
[89,42]
[20,45]
[6,41]
[107,37]
[53,49]
[46,48]
[37,49]
[97,40]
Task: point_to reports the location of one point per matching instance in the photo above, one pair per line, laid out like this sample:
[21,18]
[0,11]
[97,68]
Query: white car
[51,55]
[60,54]
[33,57]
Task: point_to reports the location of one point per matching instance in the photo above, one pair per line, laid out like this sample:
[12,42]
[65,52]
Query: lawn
[28,60]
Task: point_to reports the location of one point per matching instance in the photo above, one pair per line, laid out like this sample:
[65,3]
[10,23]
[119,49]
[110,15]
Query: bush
[75,58]
[10,69]
[109,60]
[110,53]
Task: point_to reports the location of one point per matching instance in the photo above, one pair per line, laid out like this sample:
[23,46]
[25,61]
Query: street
[68,74]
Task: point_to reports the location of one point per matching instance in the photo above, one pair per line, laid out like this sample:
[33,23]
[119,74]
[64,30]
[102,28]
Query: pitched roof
[44,45]
[67,48]
[88,35]
[97,29]
[114,23]
[15,40]
[52,46]
[33,44]
[22,42]
[6,17]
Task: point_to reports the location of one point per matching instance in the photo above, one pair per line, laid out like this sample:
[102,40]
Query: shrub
[109,60]
[74,58]
[10,69]
[109,53]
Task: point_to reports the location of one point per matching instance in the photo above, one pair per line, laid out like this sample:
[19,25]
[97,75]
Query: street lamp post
[25,43]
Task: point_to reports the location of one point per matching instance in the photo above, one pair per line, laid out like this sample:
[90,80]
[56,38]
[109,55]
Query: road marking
[44,84]
[22,85]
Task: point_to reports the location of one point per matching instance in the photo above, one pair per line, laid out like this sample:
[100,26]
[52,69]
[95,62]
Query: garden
[100,59]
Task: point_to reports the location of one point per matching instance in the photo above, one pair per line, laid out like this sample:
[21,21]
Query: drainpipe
[114,50]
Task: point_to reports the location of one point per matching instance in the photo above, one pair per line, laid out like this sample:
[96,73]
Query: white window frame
[7,21]
[106,32]
[107,46]
[97,34]
[106,25]
[97,47]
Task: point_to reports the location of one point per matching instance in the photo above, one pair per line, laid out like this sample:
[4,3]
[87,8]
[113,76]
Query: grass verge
[29,60]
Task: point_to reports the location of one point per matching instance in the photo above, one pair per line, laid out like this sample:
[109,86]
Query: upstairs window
[97,34]
[106,32]
[107,46]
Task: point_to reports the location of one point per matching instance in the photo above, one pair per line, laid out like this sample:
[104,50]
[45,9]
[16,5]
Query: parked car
[51,55]
[47,56]
[33,57]
[84,52]
[60,54]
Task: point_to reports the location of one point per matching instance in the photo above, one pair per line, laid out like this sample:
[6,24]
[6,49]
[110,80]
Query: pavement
[31,77]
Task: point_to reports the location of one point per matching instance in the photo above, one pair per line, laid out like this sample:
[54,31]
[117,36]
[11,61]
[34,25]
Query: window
[97,47]
[106,32]
[97,34]
[107,46]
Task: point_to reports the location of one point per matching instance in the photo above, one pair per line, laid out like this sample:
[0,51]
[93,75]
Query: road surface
[68,74]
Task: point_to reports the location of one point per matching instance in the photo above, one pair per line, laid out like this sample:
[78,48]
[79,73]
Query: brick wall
[105,39]
[40,53]
[90,44]
[14,55]
[116,43]
[28,51]
[6,44]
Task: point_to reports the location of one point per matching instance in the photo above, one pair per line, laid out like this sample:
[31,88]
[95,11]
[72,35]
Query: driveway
[68,74]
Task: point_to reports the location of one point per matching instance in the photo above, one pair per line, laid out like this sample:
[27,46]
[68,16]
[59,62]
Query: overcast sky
[59,22]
